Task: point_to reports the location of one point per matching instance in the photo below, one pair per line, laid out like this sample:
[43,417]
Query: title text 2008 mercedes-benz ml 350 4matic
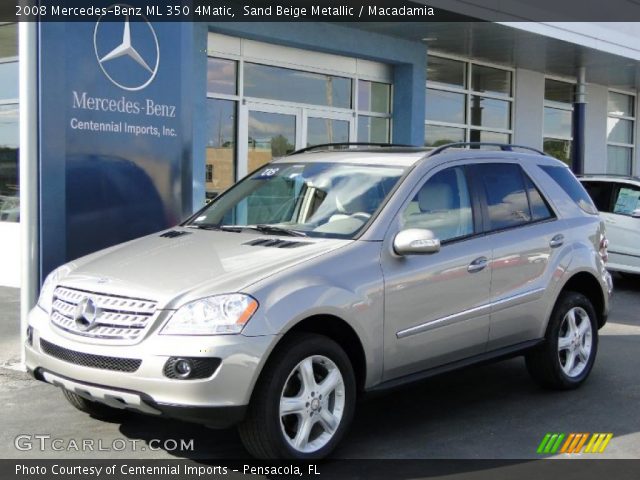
[327,274]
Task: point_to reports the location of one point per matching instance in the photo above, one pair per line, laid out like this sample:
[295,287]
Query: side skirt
[487,357]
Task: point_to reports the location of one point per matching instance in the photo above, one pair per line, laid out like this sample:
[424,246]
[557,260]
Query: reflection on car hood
[200,262]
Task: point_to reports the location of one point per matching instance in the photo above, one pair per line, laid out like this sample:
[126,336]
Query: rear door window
[511,197]
[506,197]
[540,209]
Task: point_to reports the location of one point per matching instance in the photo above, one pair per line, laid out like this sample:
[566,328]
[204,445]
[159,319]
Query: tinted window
[374,96]
[442,71]
[489,112]
[490,80]
[442,205]
[572,187]
[506,196]
[539,208]
[627,199]
[9,81]
[600,193]
[265,81]
[445,106]
[222,76]
[557,91]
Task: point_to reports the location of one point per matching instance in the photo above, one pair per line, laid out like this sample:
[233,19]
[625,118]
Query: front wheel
[566,358]
[303,402]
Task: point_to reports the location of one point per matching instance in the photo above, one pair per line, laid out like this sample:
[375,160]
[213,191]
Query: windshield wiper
[276,230]
[262,228]
[212,226]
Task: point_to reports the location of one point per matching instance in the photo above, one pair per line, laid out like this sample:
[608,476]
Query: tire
[95,409]
[321,411]
[550,365]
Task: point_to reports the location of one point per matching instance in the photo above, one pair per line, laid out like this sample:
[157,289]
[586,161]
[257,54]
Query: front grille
[112,317]
[90,360]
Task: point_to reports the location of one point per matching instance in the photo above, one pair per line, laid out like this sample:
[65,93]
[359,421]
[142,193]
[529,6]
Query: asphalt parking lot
[488,412]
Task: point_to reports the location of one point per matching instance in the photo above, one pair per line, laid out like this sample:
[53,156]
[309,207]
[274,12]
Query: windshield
[314,199]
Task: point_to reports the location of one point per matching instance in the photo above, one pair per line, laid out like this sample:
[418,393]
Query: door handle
[609,220]
[556,241]
[477,265]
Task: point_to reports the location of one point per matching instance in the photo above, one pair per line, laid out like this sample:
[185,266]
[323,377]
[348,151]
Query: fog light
[182,368]
[191,368]
[30,336]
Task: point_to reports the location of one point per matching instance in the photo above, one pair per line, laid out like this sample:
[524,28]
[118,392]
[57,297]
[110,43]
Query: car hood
[198,263]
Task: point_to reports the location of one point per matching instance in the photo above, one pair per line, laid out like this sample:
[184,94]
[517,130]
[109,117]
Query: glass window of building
[558,112]
[221,146]
[277,83]
[222,76]
[259,109]
[374,111]
[467,102]
[222,105]
[9,124]
[621,118]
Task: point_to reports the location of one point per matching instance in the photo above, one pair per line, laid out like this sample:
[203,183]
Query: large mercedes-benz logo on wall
[86,314]
[142,51]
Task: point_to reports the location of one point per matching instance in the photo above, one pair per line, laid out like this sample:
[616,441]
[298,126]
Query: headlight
[49,285]
[212,315]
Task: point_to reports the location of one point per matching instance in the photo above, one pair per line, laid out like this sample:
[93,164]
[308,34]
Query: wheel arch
[588,285]
[337,330]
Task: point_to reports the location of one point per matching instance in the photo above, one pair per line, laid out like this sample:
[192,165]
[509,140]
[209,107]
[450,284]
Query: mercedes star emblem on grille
[86,314]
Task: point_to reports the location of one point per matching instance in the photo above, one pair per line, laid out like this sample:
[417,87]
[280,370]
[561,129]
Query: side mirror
[635,213]
[414,241]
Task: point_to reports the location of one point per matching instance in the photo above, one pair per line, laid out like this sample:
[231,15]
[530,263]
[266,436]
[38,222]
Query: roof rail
[505,147]
[347,145]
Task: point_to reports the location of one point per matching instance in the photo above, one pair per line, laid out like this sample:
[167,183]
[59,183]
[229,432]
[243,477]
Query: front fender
[351,290]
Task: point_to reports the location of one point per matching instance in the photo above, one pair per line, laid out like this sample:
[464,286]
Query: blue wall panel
[116,133]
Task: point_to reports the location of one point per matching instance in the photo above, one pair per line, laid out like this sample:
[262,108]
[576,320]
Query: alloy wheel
[575,342]
[312,404]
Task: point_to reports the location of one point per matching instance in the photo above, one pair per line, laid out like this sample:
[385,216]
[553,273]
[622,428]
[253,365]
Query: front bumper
[219,400]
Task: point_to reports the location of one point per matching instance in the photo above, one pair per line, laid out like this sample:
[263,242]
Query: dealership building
[115,129]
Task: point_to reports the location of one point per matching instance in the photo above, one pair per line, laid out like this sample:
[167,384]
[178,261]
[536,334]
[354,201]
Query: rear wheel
[95,409]
[303,402]
[566,358]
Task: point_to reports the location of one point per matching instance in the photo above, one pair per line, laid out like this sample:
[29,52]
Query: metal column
[578,123]
[29,252]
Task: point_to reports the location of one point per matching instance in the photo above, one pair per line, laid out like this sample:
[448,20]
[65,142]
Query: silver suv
[327,274]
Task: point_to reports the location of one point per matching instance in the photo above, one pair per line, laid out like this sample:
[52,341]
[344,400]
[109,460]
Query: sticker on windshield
[268,172]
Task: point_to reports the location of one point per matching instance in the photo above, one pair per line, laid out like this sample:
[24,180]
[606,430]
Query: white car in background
[618,200]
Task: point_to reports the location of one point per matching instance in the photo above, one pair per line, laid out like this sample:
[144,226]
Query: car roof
[609,177]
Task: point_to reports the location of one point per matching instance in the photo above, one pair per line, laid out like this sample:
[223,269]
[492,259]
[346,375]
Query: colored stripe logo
[574,443]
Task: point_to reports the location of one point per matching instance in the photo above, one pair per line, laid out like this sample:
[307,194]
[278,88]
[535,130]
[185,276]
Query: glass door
[271,131]
[267,131]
